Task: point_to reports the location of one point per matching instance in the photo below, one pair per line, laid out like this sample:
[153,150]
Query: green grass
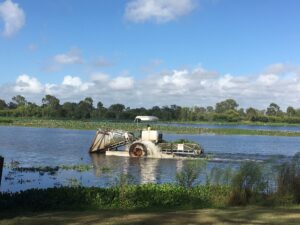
[93,125]
[122,196]
[235,215]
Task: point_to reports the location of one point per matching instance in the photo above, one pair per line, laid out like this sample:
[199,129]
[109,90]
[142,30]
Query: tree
[3,104]
[117,109]
[210,109]
[273,110]
[19,100]
[68,109]
[51,105]
[228,104]
[99,105]
[50,100]
[251,114]
[84,108]
[290,111]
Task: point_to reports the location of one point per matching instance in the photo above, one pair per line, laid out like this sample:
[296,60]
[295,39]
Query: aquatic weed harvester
[148,143]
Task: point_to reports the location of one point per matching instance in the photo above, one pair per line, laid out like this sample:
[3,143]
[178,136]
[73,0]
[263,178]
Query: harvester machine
[148,144]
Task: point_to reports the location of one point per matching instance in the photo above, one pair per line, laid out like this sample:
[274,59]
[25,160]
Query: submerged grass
[93,125]
[49,169]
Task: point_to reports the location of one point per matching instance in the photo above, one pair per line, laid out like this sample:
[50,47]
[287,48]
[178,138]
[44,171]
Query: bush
[248,183]
[288,179]
[151,196]
[190,172]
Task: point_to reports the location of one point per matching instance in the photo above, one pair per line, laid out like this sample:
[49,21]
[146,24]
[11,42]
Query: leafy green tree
[251,114]
[84,109]
[116,109]
[273,110]
[210,109]
[228,104]
[19,100]
[68,109]
[51,106]
[3,104]
[290,111]
[241,112]
[99,105]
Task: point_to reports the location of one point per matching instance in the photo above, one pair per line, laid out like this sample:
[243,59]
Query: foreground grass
[93,125]
[236,215]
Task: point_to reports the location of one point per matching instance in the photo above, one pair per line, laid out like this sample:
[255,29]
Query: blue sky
[152,52]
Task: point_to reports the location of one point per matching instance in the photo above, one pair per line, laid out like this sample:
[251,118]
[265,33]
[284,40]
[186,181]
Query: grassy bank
[236,215]
[129,197]
[93,125]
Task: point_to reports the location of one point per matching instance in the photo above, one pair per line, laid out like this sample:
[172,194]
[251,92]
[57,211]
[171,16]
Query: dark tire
[137,150]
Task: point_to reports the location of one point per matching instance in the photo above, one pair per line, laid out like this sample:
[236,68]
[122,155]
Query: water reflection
[52,147]
[144,170]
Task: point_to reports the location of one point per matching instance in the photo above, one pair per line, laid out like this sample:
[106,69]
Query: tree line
[224,111]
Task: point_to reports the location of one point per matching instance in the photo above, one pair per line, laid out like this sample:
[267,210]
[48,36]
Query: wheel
[137,150]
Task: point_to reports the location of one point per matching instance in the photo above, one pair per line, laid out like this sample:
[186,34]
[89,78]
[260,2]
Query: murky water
[238,126]
[53,147]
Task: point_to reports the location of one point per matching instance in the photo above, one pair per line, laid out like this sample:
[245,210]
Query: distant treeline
[224,111]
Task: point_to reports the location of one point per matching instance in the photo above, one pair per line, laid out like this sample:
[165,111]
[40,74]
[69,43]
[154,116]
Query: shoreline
[131,127]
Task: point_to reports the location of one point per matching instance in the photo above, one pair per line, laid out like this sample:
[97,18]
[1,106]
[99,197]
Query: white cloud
[13,17]
[267,79]
[57,62]
[71,57]
[121,83]
[99,77]
[158,10]
[27,84]
[72,81]
[76,83]
[185,87]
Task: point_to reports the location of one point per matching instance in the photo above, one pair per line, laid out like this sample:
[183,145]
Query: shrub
[147,196]
[190,172]
[288,179]
[248,183]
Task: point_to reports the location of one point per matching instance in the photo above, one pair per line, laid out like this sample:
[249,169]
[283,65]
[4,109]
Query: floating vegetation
[79,168]
[73,182]
[41,170]
[53,170]
[5,121]
[132,127]
[105,169]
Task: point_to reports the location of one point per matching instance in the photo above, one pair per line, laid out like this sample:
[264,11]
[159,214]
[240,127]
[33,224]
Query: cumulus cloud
[99,77]
[71,57]
[76,83]
[267,79]
[13,17]
[158,10]
[26,84]
[57,62]
[121,83]
[185,87]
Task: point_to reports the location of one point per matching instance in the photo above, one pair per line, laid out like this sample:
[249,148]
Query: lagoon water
[292,128]
[53,147]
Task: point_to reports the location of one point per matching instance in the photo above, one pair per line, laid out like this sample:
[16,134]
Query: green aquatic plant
[146,196]
[79,167]
[131,127]
[190,172]
[41,170]
[73,182]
